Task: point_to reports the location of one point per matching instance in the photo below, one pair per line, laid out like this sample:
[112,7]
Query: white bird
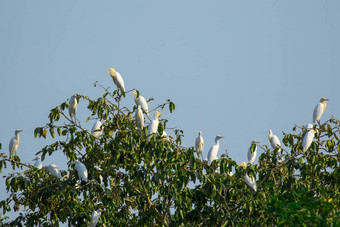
[142,102]
[117,79]
[165,135]
[38,163]
[96,132]
[14,143]
[81,169]
[274,141]
[250,181]
[154,123]
[319,109]
[308,138]
[212,154]
[99,169]
[199,144]
[95,217]
[139,117]
[54,170]
[252,154]
[72,108]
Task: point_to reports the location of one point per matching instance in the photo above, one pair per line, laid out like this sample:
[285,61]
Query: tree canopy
[152,180]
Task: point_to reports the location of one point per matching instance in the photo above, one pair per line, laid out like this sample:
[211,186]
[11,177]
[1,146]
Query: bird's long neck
[324,105]
[17,136]
[217,144]
[136,99]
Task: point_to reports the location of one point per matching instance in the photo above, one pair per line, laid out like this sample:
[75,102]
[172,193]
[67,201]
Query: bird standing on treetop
[38,163]
[142,102]
[250,181]
[252,151]
[72,108]
[96,131]
[81,169]
[199,144]
[308,138]
[117,79]
[212,154]
[139,117]
[54,170]
[95,217]
[153,127]
[274,142]
[319,109]
[14,143]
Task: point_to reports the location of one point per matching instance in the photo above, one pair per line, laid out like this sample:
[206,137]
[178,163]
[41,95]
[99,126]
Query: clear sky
[234,68]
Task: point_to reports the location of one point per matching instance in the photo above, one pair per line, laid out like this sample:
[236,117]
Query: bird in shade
[117,79]
[54,170]
[212,154]
[199,144]
[319,109]
[154,123]
[95,217]
[252,151]
[250,181]
[139,117]
[96,131]
[14,143]
[81,169]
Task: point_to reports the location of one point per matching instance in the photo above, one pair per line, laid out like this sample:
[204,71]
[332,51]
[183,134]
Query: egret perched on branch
[319,109]
[252,151]
[308,138]
[14,143]
[139,117]
[117,79]
[154,123]
[165,135]
[199,144]
[212,154]
[142,102]
[72,108]
[95,217]
[53,169]
[99,169]
[96,131]
[81,169]
[250,181]
[274,142]
[38,163]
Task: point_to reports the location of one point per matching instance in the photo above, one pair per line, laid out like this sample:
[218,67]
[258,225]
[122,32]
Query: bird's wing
[307,140]
[317,112]
[197,143]
[11,143]
[143,104]
[152,127]
[120,81]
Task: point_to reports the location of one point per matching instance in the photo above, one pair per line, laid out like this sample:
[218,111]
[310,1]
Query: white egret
[142,102]
[38,163]
[319,109]
[250,181]
[308,138]
[95,217]
[212,154]
[72,108]
[54,170]
[14,143]
[252,154]
[117,79]
[165,135]
[154,123]
[96,131]
[99,169]
[274,142]
[81,169]
[199,144]
[139,117]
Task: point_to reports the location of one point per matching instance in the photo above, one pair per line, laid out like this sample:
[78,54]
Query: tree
[154,181]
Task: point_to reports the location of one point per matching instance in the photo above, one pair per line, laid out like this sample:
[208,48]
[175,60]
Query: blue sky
[234,68]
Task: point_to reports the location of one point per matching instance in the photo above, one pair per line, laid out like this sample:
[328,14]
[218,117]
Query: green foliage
[154,181]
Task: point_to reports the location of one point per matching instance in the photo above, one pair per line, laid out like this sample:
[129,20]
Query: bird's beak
[257,142]
[20,130]
[160,114]
[326,99]
[108,71]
